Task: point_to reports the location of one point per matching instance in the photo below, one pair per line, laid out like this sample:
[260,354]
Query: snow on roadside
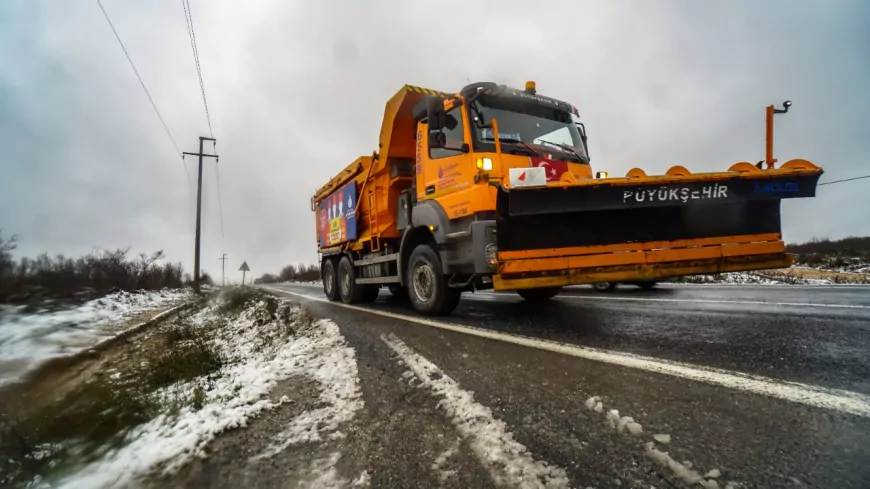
[29,338]
[509,462]
[333,365]
[744,278]
[258,357]
[682,471]
[443,474]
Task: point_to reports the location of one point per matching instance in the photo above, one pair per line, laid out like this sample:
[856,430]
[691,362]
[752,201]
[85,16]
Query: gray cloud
[297,90]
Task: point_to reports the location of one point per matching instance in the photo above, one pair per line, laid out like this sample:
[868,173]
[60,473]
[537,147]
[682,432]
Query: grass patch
[236,299]
[181,361]
[97,414]
[134,383]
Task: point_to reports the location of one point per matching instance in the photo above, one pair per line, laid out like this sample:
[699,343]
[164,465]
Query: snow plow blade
[646,228]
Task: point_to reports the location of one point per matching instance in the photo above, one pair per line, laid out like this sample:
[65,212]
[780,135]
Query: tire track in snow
[509,462]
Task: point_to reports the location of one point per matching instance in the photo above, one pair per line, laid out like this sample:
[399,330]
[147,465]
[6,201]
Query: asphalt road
[768,385]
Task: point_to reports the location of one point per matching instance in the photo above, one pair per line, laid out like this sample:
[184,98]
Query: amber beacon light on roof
[492,187]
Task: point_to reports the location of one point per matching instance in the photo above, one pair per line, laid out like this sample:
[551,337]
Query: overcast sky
[296,91]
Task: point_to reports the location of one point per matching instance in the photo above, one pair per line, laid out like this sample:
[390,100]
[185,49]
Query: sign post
[244,268]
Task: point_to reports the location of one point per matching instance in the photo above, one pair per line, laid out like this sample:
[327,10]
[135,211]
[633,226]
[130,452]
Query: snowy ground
[854,267]
[306,282]
[29,338]
[758,278]
[262,347]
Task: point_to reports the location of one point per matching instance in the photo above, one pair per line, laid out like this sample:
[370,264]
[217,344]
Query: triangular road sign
[244,267]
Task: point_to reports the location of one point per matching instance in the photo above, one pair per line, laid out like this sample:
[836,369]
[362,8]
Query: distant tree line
[846,254]
[99,271]
[292,273]
[852,246]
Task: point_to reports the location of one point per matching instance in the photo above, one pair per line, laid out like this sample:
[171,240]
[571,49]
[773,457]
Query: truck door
[448,169]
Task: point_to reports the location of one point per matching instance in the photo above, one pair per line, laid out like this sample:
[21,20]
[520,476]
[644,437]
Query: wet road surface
[805,423]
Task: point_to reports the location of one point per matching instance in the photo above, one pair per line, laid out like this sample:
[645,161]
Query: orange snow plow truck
[491,187]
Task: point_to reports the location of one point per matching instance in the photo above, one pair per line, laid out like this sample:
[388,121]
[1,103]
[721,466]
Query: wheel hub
[329,277]
[345,283]
[424,282]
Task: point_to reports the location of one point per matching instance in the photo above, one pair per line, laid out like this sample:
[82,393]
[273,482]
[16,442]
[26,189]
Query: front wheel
[427,286]
[539,295]
[330,282]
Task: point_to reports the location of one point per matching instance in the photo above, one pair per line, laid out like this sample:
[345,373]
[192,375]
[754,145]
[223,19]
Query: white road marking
[697,301]
[834,399]
[509,462]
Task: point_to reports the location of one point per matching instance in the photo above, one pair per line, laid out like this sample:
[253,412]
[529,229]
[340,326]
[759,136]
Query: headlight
[484,164]
[491,252]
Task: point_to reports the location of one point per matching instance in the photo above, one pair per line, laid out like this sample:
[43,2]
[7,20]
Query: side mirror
[582,129]
[435,114]
[437,139]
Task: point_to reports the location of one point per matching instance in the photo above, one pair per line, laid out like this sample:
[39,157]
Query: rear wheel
[539,295]
[370,293]
[646,284]
[604,286]
[330,283]
[427,286]
[348,289]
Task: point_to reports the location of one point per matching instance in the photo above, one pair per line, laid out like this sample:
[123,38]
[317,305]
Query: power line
[845,180]
[191,33]
[188,16]
[145,89]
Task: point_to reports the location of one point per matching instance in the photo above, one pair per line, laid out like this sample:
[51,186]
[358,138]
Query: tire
[646,284]
[427,286]
[539,295]
[348,289]
[370,293]
[328,274]
[604,286]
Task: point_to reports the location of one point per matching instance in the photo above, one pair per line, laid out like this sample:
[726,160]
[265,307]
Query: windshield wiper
[564,147]
[525,145]
[517,141]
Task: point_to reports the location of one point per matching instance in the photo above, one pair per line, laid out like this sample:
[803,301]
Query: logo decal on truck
[768,188]
[419,151]
[337,216]
[676,194]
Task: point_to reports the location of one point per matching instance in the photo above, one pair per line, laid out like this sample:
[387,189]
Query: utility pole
[223,259]
[198,209]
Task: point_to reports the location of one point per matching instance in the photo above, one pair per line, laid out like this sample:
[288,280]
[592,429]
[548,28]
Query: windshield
[531,124]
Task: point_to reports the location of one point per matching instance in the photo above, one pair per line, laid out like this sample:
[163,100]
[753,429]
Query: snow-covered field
[261,350]
[853,267]
[29,338]
[753,278]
